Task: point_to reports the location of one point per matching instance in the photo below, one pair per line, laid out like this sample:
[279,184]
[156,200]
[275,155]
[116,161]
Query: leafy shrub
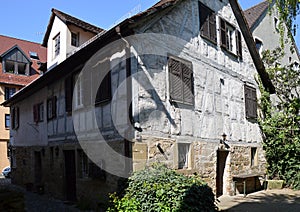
[158,188]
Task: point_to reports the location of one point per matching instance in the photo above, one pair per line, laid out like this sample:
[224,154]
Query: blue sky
[28,19]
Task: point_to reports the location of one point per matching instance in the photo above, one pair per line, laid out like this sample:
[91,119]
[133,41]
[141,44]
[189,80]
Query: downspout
[127,143]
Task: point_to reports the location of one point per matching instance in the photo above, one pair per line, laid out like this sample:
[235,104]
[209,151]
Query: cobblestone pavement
[285,200]
[36,202]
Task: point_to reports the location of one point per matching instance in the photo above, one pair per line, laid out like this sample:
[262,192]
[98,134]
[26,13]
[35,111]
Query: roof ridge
[20,39]
[58,13]
[252,7]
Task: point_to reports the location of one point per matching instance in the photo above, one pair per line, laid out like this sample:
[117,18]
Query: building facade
[162,86]
[20,62]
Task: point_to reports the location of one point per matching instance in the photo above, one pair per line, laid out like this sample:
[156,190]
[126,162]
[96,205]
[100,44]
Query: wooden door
[70,175]
[221,161]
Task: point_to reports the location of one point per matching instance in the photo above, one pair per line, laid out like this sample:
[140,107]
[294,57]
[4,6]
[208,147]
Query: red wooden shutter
[36,113]
[223,33]
[69,87]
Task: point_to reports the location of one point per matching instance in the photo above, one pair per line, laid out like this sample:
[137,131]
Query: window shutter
[54,100]
[250,102]
[69,93]
[12,118]
[176,91]
[188,91]
[36,113]
[223,33]
[238,43]
[212,27]
[17,113]
[204,20]
[104,93]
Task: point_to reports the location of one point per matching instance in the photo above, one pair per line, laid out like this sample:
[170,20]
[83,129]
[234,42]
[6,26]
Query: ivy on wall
[280,120]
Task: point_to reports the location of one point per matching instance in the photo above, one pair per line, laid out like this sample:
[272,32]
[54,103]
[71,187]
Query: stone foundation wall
[203,159]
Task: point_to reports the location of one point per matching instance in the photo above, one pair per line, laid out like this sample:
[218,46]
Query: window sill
[101,103]
[209,40]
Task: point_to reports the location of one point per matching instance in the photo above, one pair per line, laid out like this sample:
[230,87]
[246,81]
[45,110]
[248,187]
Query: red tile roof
[68,19]
[6,43]
[254,13]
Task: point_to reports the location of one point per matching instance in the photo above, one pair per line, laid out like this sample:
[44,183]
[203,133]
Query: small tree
[158,188]
[280,121]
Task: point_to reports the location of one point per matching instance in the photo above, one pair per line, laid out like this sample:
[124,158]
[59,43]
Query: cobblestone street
[285,200]
[36,202]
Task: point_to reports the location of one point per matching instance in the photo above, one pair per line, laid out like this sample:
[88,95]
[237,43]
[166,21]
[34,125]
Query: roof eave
[266,81]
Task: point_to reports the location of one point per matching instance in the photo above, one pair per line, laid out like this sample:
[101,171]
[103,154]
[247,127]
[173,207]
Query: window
[69,87]
[183,155]
[88,169]
[254,157]
[38,112]
[231,39]
[7,121]
[276,24]
[78,91]
[104,92]
[259,45]
[51,108]
[56,46]
[9,92]
[15,62]
[34,55]
[207,23]
[15,117]
[74,39]
[250,102]
[296,66]
[181,81]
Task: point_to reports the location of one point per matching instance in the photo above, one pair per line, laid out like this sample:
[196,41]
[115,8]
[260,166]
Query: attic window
[259,45]
[34,55]
[74,39]
[15,62]
[56,45]
[207,23]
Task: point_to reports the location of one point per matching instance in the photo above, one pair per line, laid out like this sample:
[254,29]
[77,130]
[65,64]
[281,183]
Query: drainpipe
[127,146]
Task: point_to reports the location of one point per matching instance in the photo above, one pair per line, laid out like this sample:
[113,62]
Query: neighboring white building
[263,20]
[192,67]
[64,35]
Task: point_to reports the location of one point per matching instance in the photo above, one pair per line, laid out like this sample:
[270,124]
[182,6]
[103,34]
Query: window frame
[7,118]
[106,86]
[251,104]
[253,156]
[187,150]
[51,108]
[186,93]
[230,38]
[75,40]
[207,23]
[56,45]
[8,93]
[38,112]
[15,112]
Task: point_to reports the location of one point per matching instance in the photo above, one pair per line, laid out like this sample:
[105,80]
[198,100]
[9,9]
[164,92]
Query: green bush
[158,188]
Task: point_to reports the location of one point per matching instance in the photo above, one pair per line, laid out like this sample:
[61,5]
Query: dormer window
[34,55]
[258,45]
[56,44]
[74,39]
[15,62]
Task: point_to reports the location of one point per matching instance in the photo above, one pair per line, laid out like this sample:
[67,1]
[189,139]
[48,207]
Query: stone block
[139,151]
